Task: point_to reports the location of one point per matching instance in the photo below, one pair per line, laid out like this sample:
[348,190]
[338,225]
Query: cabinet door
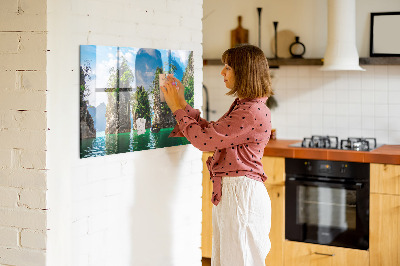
[206,232]
[384,230]
[277,233]
[274,168]
[304,254]
[385,178]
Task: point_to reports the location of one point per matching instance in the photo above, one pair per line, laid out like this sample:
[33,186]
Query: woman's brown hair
[250,66]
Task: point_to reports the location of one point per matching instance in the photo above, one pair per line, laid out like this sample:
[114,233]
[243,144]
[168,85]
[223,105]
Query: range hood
[341,51]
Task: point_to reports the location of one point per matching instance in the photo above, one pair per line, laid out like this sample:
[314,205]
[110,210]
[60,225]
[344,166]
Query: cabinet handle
[324,254]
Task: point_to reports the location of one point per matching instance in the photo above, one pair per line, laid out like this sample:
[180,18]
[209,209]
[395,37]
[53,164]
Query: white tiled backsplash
[339,103]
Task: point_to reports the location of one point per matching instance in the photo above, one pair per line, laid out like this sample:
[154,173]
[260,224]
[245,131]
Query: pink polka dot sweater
[238,139]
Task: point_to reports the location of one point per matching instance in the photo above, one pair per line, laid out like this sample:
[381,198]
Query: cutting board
[239,35]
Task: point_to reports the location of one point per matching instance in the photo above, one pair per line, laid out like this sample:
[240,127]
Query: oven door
[327,213]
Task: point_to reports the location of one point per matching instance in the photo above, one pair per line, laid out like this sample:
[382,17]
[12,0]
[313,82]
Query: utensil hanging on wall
[259,9]
[276,38]
[239,35]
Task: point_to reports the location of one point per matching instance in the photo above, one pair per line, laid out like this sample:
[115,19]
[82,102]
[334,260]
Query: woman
[242,208]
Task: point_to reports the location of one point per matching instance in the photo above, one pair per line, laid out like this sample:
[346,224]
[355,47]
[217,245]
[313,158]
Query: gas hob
[332,142]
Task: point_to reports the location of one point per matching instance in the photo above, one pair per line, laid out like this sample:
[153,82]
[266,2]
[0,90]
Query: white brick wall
[33,239]
[23,132]
[8,197]
[140,208]
[9,237]
[24,256]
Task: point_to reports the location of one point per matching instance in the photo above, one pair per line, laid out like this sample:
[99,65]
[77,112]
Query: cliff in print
[121,107]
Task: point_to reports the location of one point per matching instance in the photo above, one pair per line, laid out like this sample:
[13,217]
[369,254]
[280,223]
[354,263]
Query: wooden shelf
[212,62]
[380,61]
[274,63]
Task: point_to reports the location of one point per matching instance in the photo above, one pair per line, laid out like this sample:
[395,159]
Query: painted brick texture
[107,193]
[9,237]
[33,239]
[139,208]
[23,125]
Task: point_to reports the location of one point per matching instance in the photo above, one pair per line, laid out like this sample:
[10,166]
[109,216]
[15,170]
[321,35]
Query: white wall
[23,133]
[343,104]
[140,208]
[306,19]
[311,102]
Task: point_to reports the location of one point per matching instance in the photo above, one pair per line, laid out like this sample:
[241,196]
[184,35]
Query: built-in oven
[327,202]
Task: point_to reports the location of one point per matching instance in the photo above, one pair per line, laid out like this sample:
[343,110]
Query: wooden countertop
[389,154]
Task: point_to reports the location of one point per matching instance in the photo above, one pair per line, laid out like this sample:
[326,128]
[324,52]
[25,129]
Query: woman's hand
[174,94]
[181,92]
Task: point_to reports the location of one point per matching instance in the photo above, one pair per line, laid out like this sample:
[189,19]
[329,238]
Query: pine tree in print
[118,107]
[188,81]
[86,120]
[141,107]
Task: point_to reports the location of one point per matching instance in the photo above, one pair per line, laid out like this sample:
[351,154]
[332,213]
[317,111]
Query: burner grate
[332,142]
[327,142]
[358,144]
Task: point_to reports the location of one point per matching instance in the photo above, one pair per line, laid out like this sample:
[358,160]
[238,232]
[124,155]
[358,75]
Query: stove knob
[343,168]
[308,166]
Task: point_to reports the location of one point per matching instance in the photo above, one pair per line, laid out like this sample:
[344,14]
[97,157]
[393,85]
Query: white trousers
[241,223]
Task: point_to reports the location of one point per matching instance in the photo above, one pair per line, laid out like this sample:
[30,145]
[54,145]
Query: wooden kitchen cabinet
[385,178]
[277,233]
[385,215]
[206,225]
[384,236]
[274,168]
[305,254]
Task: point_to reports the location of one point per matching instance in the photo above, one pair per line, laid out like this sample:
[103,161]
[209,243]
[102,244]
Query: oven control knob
[308,166]
[343,168]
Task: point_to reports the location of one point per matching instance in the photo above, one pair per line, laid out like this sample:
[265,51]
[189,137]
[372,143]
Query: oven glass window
[326,207]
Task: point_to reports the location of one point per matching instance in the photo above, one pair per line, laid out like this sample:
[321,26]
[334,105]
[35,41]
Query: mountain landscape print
[121,109]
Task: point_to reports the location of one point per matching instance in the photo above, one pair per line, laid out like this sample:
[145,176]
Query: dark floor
[206,261]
